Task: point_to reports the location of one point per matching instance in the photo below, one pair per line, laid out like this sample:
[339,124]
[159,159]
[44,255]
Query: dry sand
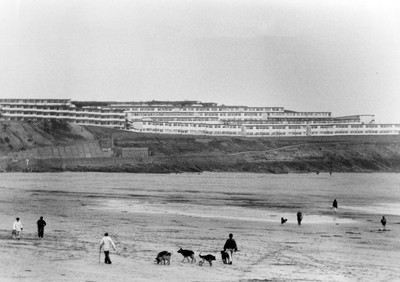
[346,246]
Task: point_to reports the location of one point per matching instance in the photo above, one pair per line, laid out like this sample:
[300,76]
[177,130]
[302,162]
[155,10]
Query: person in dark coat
[335,204]
[383,221]
[41,224]
[231,246]
[299,217]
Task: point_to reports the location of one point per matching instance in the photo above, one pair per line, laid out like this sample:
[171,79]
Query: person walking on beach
[17,228]
[41,224]
[334,205]
[299,217]
[106,243]
[230,246]
[383,221]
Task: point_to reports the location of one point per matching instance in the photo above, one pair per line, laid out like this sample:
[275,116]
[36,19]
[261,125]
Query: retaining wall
[79,150]
[73,163]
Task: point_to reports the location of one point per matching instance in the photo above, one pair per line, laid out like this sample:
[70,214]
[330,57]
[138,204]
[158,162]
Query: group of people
[335,207]
[17,228]
[107,243]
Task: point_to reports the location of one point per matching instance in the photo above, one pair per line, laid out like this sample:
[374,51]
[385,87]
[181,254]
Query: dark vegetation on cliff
[273,155]
[183,153]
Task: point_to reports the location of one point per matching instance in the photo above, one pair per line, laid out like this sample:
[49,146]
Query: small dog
[225,257]
[163,256]
[283,220]
[187,254]
[208,258]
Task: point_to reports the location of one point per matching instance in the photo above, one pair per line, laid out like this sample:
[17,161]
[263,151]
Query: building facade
[194,117]
[61,109]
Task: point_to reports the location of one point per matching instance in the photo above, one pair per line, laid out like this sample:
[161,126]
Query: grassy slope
[15,136]
[177,153]
[274,155]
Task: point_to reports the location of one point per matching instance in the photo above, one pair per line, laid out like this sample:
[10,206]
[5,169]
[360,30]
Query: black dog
[208,258]
[187,254]
[225,257]
[163,256]
[283,220]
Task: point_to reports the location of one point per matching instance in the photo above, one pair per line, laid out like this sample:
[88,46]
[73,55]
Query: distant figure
[230,246]
[334,205]
[330,173]
[41,224]
[383,221]
[283,220]
[317,172]
[299,217]
[17,228]
[107,243]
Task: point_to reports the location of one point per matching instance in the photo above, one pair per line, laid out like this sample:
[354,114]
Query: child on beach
[17,228]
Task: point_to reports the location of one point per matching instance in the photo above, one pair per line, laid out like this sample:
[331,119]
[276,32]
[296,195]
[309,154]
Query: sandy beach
[146,214]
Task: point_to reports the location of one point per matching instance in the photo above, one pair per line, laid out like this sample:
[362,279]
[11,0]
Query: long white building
[62,109]
[193,117]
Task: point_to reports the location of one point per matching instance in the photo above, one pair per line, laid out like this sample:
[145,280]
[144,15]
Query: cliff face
[181,153]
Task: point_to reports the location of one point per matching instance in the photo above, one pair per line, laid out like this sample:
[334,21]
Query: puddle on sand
[382,208]
[213,212]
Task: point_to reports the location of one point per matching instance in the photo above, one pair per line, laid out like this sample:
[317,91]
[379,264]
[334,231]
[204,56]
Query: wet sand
[346,245]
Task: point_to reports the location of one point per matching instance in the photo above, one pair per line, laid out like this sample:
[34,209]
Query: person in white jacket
[17,228]
[106,243]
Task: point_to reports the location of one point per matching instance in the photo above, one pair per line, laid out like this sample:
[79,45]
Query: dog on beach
[163,257]
[225,257]
[283,220]
[187,254]
[208,258]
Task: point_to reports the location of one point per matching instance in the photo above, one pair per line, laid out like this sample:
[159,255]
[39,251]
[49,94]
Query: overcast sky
[331,55]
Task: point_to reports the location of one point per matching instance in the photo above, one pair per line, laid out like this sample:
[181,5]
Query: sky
[339,56]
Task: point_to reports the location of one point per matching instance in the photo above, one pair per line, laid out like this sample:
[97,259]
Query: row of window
[190,125]
[30,101]
[96,121]
[201,109]
[191,114]
[153,125]
[302,114]
[99,122]
[277,133]
[55,109]
[59,114]
[42,108]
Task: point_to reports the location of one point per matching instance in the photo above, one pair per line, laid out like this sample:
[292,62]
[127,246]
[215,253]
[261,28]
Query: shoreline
[146,214]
